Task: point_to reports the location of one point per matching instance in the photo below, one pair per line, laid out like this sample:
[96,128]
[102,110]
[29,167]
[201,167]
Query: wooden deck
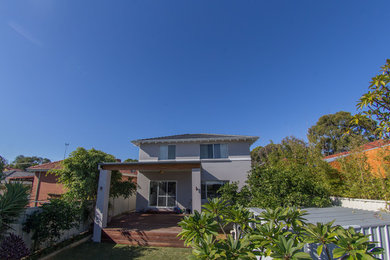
[160,229]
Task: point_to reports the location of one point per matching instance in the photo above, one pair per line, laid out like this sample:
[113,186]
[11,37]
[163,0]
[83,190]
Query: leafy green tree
[359,179]
[230,192]
[272,187]
[12,203]
[3,163]
[259,155]
[48,223]
[80,176]
[130,160]
[290,173]
[375,104]
[329,133]
[23,162]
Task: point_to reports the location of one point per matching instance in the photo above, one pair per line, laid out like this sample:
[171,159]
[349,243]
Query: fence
[364,204]
[117,206]
[17,228]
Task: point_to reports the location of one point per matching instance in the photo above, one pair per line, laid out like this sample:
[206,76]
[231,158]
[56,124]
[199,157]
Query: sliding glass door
[162,194]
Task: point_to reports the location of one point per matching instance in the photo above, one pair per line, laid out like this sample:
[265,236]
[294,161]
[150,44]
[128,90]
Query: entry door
[162,194]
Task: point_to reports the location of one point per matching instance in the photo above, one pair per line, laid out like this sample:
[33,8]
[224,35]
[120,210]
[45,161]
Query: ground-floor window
[162,194]
[209,189]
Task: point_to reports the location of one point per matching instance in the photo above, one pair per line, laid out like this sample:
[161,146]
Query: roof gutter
[252,139]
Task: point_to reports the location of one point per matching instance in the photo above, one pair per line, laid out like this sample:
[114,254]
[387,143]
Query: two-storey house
[221,159]
[179,171]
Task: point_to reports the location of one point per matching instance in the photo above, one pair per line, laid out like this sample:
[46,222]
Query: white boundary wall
[17,229]
[117,206]
[363,204]
[120,205]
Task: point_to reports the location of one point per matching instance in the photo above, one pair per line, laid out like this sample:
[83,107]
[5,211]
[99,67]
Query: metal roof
[345,217]
[18,173]
[195,138]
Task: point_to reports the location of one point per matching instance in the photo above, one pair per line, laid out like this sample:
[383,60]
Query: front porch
[162,186]
[144,229]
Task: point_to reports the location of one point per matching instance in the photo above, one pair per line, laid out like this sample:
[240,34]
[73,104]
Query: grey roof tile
[193,137]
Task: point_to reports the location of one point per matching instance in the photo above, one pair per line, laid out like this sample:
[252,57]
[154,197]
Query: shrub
[280,233]
[13,247]
[273,187]
[230,193]
[48,223]
[12,202]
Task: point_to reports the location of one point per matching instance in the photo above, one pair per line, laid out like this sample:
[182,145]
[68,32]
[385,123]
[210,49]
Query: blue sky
[101,73]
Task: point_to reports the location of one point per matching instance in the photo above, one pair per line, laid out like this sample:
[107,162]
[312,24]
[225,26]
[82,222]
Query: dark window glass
[153,194]
[171,188]
[162,186]
[203,190]
[203,151]
[171,152]
[210,151]
[171,201]
[162,201]
[217,151]
[212,188]
[206,151]
[162,194]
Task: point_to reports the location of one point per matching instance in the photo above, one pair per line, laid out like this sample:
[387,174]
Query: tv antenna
[66,148]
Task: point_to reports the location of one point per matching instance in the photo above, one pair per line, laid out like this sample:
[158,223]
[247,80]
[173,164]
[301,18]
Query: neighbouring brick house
[46,186]
[375,152]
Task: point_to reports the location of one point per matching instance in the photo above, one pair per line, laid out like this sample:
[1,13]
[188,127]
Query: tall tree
[130,160]
[3,163]
[80,176]
[23,162]
[334,133]
[289,173]
[375,104]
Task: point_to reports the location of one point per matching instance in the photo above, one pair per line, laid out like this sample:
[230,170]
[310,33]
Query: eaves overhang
[238,138]
[155,165]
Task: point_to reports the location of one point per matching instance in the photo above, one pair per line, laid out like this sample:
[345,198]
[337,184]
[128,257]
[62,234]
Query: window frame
[213,151]
[166,196]
[205,183]
[160,158]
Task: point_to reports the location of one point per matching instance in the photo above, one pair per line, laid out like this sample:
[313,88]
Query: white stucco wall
[191,151]
[183,186]
[235,168]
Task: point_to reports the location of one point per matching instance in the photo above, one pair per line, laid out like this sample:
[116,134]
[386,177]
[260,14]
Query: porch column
[101,210]
[196,195]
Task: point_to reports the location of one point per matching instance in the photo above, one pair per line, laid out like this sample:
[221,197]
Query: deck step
[142,238]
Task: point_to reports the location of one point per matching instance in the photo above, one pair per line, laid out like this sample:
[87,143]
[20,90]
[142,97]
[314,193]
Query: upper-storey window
[167,152]
[213,151]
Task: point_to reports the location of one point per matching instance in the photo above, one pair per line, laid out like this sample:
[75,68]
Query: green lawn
[94,251]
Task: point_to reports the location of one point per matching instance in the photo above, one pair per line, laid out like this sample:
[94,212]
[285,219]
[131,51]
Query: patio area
[144,229]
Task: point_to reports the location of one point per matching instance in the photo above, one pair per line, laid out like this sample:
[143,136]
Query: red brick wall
[48,185]
[376,159]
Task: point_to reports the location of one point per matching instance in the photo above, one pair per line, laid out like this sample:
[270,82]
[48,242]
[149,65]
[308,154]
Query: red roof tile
[47,166]
[367,146]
